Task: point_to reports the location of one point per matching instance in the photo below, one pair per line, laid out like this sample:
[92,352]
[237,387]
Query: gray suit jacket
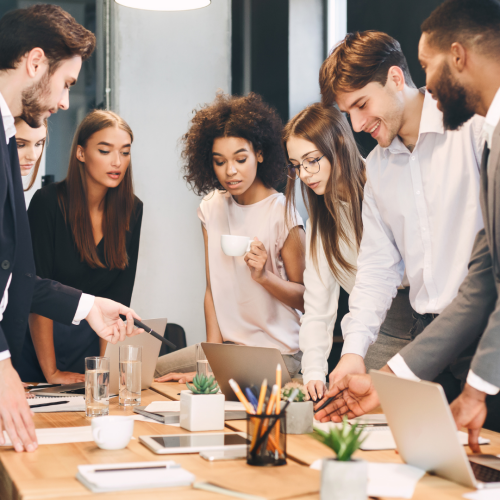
[476,309]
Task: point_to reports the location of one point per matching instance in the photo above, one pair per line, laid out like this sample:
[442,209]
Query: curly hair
[247,117]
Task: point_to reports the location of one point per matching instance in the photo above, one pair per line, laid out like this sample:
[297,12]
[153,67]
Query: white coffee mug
[235,246]
[112,432]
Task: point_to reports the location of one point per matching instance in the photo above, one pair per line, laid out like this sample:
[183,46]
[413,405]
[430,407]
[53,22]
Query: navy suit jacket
[27,292]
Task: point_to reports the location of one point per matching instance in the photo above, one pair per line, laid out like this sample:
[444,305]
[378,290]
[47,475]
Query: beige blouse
[246,312]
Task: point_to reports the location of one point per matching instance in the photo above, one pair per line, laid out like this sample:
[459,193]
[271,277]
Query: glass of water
[130,375]
[96,386]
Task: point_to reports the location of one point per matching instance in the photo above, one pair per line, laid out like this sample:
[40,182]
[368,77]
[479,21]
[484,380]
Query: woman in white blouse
[321,150]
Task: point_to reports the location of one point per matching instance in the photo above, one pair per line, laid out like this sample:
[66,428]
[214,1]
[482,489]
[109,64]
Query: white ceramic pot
[299,417]
[202,412]
[343,480]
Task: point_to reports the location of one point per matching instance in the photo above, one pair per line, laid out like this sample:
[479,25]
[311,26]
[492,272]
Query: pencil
[262,396]
[278,400]
[236,388]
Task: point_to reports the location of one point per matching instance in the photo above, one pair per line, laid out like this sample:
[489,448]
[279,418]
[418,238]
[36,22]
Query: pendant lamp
[165,5]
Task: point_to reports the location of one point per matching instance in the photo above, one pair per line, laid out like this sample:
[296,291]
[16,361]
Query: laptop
[425,432]
[150,351]
[245,364]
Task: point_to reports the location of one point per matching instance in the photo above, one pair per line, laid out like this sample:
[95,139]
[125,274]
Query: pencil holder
[267,439]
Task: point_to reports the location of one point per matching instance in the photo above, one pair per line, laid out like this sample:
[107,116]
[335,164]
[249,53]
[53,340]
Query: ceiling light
[166,5]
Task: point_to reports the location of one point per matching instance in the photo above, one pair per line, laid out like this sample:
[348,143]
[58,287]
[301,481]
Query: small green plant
[289,388]
[203,385]
[343,441]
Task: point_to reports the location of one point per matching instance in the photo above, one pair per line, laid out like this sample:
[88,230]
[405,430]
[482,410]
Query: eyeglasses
[310,164]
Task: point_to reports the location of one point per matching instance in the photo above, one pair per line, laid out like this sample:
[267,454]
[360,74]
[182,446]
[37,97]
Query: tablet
[194,443]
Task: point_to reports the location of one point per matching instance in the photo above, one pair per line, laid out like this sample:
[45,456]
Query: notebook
[104,478]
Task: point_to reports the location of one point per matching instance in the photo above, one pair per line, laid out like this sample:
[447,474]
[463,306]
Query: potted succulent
[299,414]
[343,478]
[202,408]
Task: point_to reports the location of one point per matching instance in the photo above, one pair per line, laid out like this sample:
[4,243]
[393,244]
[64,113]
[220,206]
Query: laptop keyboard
[485,474]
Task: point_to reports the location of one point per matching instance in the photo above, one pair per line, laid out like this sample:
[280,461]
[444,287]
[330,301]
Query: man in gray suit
[459,51]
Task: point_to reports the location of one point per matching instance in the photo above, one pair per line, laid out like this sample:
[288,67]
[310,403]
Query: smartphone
[216,455]
[194,443]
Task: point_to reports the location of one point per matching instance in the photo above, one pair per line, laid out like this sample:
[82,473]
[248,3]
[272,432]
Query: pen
[278,399]
[328,401]
[147,329]
[49,404]
[176,466]
[251,398]
[236,388]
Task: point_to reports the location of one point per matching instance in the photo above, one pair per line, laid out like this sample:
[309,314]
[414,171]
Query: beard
[34,102]
[458,103]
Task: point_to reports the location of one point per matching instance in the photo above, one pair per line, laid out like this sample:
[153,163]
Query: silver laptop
[150,350]
[247,365]
[426,435]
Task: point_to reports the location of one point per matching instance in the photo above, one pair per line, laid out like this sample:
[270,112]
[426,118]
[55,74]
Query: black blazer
[27,292]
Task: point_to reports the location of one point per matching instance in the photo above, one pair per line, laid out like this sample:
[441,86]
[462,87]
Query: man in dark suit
[41,53]
[459,51]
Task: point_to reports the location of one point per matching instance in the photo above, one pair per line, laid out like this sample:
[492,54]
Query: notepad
[381,438]
[75,403]
[104,478]
[389,480]
[59,435]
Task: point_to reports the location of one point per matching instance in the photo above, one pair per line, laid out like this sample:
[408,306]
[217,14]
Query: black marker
[147,329]
[49,404]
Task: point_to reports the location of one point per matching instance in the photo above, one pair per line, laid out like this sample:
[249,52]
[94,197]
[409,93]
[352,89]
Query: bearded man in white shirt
[459,52]
[421,208]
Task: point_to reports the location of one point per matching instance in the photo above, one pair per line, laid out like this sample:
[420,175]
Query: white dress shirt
[397,363]
[321,298]
[420,211]
[86,301]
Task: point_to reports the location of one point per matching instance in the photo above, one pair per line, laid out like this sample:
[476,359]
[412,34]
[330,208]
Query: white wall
[165,64]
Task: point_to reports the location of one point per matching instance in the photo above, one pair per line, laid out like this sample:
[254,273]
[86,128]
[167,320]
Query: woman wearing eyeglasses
[322,152]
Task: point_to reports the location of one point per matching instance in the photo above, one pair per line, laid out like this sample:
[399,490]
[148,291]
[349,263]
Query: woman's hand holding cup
[256,259]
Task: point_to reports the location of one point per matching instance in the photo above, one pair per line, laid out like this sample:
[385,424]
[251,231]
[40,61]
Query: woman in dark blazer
[85,232]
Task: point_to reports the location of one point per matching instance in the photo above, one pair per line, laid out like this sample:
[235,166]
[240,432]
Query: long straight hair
[118,202]
[336,215]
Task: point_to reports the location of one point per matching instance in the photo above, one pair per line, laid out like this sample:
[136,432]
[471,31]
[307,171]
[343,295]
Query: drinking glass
[96,386]
[130,375]
[202,367]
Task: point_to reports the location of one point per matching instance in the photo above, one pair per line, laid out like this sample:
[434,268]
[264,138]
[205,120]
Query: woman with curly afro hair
[233,155]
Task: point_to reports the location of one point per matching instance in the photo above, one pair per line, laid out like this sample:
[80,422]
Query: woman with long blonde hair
[85,232]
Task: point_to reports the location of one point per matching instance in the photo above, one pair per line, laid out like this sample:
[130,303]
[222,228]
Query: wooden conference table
[49,472]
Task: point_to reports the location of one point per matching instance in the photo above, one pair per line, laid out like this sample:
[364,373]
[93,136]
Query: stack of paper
[133,476]
[71,403]
[389,480]
[58,435]
[161,406]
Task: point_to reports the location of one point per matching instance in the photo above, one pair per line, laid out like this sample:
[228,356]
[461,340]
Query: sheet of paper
[234,406]
[74,403]
[156,406]
[381,438]
[389,480]
[59,435]
[493,494]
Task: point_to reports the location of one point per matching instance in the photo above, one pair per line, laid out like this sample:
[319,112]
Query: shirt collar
[431,121]
[492,119]
[8,119]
